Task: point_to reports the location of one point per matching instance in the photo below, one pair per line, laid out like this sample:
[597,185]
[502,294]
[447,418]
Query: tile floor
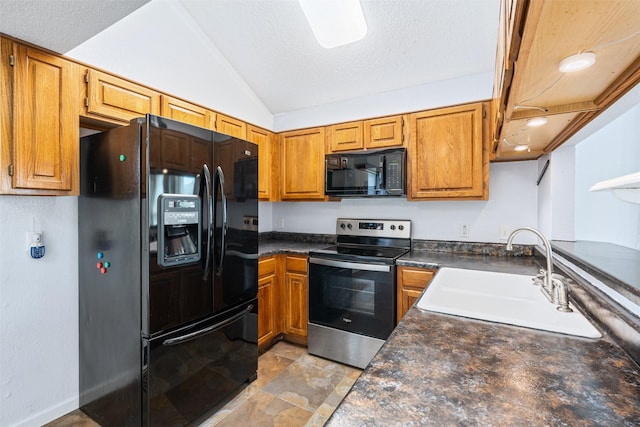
[293,389]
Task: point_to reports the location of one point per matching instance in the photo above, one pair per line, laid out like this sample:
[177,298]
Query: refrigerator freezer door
[191,371]
[236,203]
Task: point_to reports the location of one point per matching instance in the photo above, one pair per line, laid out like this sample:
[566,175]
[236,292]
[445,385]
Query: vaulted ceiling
[270,46]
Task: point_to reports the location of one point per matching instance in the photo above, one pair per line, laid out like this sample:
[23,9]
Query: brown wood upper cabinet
[186,112]
[384,132]
[345,136]
[230,126]
[113,99]
[447,156]
[302,164]
[40,125]
[368,134]
[267,170]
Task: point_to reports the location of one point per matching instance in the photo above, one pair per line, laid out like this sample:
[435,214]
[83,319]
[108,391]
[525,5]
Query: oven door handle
[351,265]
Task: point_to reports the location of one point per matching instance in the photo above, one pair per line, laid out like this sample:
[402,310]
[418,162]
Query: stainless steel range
[352,289]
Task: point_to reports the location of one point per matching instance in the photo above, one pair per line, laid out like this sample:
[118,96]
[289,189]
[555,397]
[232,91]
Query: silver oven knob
[349,226]
[401,227]
[393,227]
[342,226]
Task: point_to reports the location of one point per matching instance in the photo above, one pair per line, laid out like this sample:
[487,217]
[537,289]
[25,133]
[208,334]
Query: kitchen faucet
[554,286]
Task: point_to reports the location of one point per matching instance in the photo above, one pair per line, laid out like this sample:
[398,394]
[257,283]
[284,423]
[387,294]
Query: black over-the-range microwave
[373,173]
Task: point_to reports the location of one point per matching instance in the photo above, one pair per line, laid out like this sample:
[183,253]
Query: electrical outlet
[505,231]
[280,222]
[464,230]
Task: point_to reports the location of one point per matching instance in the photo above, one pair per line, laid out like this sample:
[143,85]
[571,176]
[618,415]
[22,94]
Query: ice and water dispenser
[178,229]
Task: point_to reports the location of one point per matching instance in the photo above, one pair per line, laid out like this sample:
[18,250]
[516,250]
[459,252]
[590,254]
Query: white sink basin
[503,298]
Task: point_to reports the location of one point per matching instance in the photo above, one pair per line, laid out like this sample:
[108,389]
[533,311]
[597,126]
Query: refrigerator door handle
[193,335]
[207,204]
[223,234]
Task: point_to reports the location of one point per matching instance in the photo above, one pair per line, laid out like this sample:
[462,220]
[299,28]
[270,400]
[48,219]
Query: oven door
[352,296]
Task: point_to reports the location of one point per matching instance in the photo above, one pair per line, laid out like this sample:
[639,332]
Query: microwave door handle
[350,265]
[207,204]
[383,179]
[223,234]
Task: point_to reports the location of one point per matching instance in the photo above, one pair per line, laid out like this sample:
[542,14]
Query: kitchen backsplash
[471,248]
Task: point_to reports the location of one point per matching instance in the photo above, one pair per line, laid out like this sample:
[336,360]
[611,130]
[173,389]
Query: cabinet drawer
[415,278]
[266,266]
[296,264]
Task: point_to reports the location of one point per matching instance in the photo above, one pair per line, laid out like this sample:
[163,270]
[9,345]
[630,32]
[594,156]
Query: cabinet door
[296,297]
[267,171]
[268,315]
[411,282]
[266,309]
[231,126]
[110,97]
[446,154]
[302,165]
[384,132]
[295,302]
[45,123]
[186,112]
[345,136]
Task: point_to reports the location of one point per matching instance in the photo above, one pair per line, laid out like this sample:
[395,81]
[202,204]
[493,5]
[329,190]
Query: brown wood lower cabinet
[267,302]
[295,299]
[411,282]
[282,299]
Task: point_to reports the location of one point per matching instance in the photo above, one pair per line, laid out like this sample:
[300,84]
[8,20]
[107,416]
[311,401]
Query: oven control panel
[396,228]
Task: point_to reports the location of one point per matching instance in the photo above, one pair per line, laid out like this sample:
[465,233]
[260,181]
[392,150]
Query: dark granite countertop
[617,266]
[439,370]
[287,247]
[499,263]
[444,370]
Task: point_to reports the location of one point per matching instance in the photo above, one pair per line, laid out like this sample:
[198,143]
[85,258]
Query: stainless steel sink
[503,298]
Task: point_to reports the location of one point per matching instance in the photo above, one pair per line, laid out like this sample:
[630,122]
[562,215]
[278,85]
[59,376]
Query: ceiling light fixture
[522,147]
[537,121]
[577,62]
[335,22]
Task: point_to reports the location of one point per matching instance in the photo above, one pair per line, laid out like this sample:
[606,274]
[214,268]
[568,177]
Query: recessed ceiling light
[537,121]
[335,23]
[577,62]
[522,147]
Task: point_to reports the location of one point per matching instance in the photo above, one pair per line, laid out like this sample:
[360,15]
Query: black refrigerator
[168,267]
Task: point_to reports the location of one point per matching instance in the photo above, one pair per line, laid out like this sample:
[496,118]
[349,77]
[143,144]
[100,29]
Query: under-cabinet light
[577,62]
[522,147]
[335,22]
[537,121]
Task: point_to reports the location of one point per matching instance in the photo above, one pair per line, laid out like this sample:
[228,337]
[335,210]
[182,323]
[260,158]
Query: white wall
[38,310]
[556,194]
[512,201]
[431,95]
[218,86]
[610,152]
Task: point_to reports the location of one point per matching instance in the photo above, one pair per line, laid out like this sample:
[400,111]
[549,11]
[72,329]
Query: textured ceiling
[269,45]
[409,43]
[61,25]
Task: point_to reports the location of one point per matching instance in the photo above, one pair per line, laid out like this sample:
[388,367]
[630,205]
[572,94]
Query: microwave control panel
[394,173]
